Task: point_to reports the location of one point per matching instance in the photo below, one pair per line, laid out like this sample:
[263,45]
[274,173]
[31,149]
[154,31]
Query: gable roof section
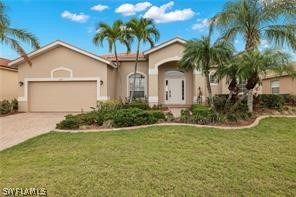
[164,44]
[60,43]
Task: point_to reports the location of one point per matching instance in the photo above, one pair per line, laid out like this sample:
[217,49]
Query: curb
[253,124]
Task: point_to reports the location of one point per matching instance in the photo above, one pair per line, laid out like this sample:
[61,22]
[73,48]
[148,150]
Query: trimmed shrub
[270,101]
[70,122]
[133,117]
[289,99]
[137,104]
[14,105]
[5,107]
[159,115]
[185,116]
[204,116]
[169,116]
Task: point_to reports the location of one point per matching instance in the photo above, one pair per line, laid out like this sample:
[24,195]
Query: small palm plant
[12,36]
[203,55]
[143,30]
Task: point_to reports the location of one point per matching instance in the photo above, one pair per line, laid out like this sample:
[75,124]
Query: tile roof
[4,64]
[123,56]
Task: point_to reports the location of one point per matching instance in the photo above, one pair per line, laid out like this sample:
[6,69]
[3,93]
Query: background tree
[143,30]
[255,64]
[203,55]
[255,20]
[13,36]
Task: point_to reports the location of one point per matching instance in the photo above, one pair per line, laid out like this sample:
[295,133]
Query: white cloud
[236,41]
[264,44]
[160,15]
[80,18]
[99,7]
[128,9]
[201,25]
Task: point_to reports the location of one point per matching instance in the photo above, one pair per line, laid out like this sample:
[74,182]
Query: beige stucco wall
[8,84]
[81,65]
[287,85]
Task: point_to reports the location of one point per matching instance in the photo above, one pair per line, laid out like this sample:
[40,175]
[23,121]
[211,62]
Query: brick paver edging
[255,123]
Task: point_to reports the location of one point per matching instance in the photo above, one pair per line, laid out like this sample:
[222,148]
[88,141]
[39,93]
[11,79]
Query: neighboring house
[66,78]
[8,81]
[279,84]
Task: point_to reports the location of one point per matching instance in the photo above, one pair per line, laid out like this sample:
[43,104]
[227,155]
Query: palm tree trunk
[250,101]
[118,78]
[135,72]
[209,88]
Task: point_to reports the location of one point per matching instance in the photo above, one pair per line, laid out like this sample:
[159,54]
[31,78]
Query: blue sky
[74,21]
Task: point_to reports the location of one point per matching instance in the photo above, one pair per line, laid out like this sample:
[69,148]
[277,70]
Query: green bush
[289,99]
[169,116]
[133,117]
[70,122]
[5,107]
[270,101]
[137,104]
[14,105]
[159,115]
[185,116]
[204,116]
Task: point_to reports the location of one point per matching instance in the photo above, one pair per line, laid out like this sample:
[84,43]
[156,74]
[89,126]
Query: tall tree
[203,55]
[258,20]
[13,36]
[143,30]
[113,34]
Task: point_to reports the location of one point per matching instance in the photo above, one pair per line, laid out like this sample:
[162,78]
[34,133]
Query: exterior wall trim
[27,80]
[164,44]
[61,68]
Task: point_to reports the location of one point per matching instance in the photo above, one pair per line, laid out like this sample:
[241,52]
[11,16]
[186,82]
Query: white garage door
[62,96]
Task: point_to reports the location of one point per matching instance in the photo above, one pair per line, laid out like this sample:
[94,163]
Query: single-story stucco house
[64,78]
[8,81]
[279,84]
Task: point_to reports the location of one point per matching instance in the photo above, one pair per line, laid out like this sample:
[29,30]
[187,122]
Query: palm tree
[255,64]
[143,30]
[113,34]
[203,55]
[258,20]
[12,36]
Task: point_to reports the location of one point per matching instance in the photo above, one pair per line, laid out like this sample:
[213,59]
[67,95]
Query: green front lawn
[173,160]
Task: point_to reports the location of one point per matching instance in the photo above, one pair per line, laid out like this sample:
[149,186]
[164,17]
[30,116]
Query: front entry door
[175,91]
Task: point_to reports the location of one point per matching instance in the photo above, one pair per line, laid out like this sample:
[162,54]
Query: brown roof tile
[122,56]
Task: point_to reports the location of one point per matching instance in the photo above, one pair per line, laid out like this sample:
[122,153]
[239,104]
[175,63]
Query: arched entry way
[175,87]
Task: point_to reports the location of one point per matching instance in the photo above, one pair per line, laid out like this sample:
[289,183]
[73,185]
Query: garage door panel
[62,96]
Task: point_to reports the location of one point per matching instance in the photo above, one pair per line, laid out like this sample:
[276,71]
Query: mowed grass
[158,161]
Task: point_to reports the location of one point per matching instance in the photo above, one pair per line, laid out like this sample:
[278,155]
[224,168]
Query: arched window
[213,78]
[139,85]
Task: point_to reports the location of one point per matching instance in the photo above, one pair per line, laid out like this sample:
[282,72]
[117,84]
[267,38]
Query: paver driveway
[20,127]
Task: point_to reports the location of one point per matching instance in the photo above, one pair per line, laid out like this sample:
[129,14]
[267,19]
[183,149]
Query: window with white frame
[242,85]
[275,87]
[213,78]
[139,85]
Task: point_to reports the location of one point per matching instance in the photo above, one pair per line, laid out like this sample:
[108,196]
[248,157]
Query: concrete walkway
[20,127]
